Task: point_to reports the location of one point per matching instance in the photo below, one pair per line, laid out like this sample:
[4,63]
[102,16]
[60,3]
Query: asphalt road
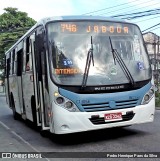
[18,136]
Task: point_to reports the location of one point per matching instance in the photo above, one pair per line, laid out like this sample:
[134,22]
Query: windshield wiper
[87,67]
[116,56]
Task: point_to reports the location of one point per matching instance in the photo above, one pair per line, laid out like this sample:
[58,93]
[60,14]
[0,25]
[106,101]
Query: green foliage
[13,25]
[157,94]
[13,19]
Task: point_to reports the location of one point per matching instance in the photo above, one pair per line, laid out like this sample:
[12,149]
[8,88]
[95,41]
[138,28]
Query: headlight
[151,91]
[148,96]
[65,103]
[68,105]
[59,100]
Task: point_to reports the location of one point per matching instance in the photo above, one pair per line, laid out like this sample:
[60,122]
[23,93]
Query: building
[152,42]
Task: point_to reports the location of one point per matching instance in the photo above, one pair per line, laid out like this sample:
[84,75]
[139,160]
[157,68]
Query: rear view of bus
[99,74]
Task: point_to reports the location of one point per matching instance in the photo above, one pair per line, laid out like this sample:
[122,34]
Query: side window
[7,67]
[25,50]
[27,65]
[10,63]
[28,54]
[39,49]
[19,62]
[13,61]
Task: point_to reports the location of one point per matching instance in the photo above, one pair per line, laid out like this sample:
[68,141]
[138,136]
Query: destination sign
[67,71]
[94,28]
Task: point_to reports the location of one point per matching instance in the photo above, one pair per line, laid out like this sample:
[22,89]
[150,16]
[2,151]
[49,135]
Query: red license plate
[113,116]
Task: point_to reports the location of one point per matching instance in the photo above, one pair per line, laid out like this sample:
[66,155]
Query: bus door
[28,80]
[18,65]
[41,63]
[45,105]
[7,69]
[36,100]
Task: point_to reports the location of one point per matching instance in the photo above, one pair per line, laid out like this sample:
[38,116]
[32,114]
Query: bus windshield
[70,42]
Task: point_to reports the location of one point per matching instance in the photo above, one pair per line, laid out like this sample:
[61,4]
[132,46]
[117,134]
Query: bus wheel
[44,133]
[15,114]
[33,106]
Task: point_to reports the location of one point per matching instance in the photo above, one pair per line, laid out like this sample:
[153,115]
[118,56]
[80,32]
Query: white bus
[78,73]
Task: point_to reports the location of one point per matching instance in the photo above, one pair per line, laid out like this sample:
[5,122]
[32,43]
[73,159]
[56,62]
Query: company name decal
[109,88]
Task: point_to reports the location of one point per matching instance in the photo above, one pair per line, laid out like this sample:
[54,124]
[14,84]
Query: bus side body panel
[7,91]
[20,98]
[14,92]
[28,92]
[7,69]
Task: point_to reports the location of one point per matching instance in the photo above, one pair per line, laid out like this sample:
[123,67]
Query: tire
[15,114]
[33,106]
[44,133]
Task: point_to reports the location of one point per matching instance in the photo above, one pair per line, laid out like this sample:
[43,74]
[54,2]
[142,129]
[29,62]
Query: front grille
[126,103]
[96,107]
[100,120]
[106,106]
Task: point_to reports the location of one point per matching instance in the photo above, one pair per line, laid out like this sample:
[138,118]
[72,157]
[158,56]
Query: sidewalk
[12,144]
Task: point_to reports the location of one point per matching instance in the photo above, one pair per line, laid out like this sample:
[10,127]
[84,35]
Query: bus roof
[77,17]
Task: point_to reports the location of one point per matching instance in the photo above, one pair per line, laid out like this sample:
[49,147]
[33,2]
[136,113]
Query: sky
[38,9]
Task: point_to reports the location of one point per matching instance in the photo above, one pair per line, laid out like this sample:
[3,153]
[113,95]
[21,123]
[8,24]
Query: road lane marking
[4,125]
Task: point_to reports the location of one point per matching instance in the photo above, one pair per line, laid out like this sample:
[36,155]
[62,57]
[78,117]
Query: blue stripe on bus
[106,101]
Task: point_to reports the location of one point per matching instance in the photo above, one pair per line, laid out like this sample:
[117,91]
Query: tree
[13,24]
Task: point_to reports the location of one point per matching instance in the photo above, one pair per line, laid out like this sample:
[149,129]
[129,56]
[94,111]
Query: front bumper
[64,122]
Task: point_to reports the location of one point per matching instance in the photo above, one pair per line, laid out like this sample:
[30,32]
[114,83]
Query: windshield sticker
[67,62]
[113,71]
[109,88]
[140,65]
[137,48]
[67,71]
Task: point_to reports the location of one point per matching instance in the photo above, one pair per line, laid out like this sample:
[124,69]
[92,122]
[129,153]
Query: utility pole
[158,60]
[154,49]
[155,58]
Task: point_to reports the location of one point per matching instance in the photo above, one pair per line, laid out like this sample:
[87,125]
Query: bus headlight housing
[65,103]
[68,105]
[59,100]
[148,96]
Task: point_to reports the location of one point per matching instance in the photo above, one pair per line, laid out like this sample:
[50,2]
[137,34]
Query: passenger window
[27,62]
[19,62]
[7,67]
[15,62]
[28,54]
[10,64]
